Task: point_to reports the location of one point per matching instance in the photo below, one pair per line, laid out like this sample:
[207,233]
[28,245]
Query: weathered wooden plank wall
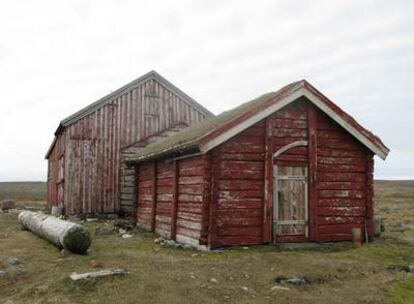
[55,174]
[191,178]
[93,143]
[239,176]
[342,184]
[173,196]
[164,197]
[145,195]
[289,125]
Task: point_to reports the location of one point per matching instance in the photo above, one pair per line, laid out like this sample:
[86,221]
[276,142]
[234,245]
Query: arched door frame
[292,145]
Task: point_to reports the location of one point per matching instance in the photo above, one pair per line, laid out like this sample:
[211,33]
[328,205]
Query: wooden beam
[206,199]
[136,185]
[268,184]
[313,168]
[369,195]
[154,197]
[212,226]
[175,201]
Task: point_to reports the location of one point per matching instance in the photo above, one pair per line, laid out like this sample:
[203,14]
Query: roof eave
[181,149]
[52,145]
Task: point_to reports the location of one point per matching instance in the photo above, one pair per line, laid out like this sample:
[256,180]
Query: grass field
[23,191]
[336,274]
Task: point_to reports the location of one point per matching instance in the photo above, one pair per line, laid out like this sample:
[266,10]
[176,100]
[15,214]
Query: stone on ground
[104,230]
[13,261]
[7,204]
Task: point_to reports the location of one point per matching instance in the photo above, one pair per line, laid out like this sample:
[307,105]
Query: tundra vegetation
[34,271]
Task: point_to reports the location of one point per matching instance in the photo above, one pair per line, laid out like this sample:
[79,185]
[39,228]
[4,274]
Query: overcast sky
[58,56]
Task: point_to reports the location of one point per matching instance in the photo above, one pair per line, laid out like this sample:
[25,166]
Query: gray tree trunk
[62,234]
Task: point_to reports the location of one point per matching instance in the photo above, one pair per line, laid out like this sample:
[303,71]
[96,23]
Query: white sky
[58,56]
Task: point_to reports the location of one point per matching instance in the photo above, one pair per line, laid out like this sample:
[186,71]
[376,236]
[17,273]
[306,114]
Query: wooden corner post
[313,168]
[136,193]
[206,199]
[268,184]
[154,197]
[174,208]
[212,221]
[369,215]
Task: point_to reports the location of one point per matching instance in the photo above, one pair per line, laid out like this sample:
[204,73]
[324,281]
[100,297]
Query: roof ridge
[151,75]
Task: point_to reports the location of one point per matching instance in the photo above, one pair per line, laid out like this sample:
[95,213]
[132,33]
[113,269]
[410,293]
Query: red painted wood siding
[191,180]
[342,184]
[190,191]
[145,194]
[164,197]
[93,144]
[289,125]
[239,177]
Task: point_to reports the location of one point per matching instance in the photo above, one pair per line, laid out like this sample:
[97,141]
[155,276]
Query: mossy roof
[187,139]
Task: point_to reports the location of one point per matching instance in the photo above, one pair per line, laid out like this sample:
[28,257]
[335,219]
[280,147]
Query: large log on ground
[63,234]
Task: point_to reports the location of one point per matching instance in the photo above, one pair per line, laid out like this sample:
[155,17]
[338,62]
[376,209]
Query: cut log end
[77,240]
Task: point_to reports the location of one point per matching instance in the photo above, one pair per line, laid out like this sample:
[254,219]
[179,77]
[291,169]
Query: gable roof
[152,75]
[212,132]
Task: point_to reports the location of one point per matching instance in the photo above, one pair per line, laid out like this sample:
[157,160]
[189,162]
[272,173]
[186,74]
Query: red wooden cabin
[289,166]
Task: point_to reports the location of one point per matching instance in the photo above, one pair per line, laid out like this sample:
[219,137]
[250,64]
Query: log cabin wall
[170,198]
[238,189]
[164,186]
[93,144]
[190,205]
[344,182]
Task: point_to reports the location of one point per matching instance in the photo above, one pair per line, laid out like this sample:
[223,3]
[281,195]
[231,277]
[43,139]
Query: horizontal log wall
[289,125]
[170,198]
[145,181]
[343,184]
[164,198]
[93,144]
[238,190]
[191,178]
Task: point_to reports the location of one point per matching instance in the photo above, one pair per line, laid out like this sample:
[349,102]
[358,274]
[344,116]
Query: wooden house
[86,161]
[289,166]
